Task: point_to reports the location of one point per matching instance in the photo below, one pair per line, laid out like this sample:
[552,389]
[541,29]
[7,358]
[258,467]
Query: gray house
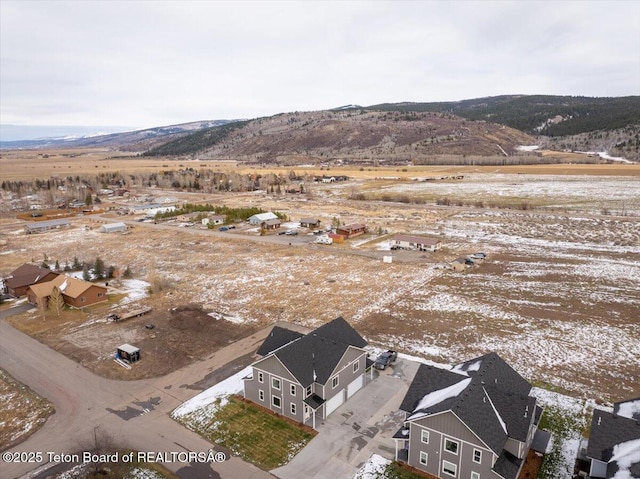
[614,443]
[307,377]
[475,421]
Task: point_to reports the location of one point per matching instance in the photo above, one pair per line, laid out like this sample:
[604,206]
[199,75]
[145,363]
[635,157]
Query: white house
[416,242]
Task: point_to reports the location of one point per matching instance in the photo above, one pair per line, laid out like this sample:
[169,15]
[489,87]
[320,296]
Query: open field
[22,411]
[24,165]
[558,296]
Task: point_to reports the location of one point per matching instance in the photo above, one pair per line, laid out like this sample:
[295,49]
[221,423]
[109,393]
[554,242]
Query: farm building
[17,283]
[75,292]
[415,242]
[309,222]
[262,217]
[349,231]
[214,220]
[40,226]
[113,227]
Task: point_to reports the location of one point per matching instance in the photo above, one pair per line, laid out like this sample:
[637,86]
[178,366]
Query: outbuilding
[118,227]
[260,218]
[129,353]
[416,243]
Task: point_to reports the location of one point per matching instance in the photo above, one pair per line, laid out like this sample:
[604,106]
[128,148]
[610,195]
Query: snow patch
[373,468]
[625,455]
[436,397]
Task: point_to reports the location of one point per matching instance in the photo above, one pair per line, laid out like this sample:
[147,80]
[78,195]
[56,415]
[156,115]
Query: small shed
[310,222]
[129,353]
[113,227]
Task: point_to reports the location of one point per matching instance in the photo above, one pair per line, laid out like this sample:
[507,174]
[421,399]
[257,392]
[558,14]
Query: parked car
[292,233]
[224,228]
[385,359]
[282,232]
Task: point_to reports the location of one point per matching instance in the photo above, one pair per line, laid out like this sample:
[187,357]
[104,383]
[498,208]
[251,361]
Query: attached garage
[355,386]
[334,403]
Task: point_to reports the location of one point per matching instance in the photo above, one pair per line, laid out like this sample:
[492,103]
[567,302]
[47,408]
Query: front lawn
[253,433]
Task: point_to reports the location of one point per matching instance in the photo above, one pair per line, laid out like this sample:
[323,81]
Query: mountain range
[492,126]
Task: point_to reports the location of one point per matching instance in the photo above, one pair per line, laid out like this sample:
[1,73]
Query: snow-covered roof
[630,409]
[440,395]
[625,455]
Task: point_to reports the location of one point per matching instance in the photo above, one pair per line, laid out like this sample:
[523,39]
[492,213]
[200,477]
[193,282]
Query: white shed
[113,227]
[262,217]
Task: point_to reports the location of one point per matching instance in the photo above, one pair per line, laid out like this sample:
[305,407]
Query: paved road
[133,414]
[19,309]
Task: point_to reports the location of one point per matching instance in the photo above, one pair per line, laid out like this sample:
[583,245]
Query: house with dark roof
[349,231]
[474,421]
[614,442]
[307,377]
[19,280]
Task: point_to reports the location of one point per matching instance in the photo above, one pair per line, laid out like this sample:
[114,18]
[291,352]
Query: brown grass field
[558,296]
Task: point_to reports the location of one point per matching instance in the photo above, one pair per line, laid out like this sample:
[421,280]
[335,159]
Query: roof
[309,220]
[629,408]
[47,224]
[354,226]
[277,338]
[485,393]
[416,239]
[607,431]
[25,275]
[68,286]
[274,221]
[507,465]
[127,348]
[314,357]
[113,226]
[264,216]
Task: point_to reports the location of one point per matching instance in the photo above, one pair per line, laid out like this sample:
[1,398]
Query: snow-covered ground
[207,402]
[372,468]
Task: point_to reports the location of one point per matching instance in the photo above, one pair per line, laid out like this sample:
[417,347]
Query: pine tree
[76,264]
[57,266]
[98,268]
[85,273]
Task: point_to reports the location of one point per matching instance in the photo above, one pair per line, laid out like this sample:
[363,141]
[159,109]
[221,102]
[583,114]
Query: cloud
[152,63]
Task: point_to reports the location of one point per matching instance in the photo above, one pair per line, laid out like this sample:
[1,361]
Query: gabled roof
[485,393]
[314,357]
[264,216]
[68,286]
[26,274]
[609,430]
[629,408]
[277,338]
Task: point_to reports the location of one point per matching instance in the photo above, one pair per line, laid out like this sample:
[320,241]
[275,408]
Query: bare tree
[56,301]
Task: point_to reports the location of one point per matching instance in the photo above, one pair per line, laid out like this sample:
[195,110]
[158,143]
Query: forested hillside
[538,114]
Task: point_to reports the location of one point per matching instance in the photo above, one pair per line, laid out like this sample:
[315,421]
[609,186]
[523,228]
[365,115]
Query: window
[293,409]
[275,383]
[449,468]
[334,382]
[275,400]
[477,456]
[261,395]
[475,475]
[356,366]
[451,446]
[99,295]
[424,436]
[423,458]
[309,390]
[83,299]
[260,377]
[292,388]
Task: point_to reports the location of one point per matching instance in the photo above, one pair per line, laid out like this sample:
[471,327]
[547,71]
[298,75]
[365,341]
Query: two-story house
[475,421]
[614,442]
[307,377]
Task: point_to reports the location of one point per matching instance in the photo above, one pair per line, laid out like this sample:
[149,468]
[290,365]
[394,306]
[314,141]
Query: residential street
[132,414]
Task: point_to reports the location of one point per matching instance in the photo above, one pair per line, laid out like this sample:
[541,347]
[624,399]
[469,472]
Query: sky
[152,63]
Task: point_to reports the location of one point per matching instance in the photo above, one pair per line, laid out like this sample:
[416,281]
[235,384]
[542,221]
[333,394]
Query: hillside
[354,135]
[538,114]
[139,140]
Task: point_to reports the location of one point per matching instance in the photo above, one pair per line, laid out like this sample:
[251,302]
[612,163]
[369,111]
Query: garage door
[335,402]
[355,386]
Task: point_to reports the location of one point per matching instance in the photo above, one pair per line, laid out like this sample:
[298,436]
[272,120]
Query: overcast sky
[152,63]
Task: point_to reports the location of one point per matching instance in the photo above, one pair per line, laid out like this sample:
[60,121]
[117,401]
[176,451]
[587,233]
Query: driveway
[362,426]
[18,309]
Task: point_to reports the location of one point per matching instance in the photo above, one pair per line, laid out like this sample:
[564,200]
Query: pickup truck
[385,359]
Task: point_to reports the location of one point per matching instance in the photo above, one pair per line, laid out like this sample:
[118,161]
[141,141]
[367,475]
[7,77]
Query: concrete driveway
[362,426]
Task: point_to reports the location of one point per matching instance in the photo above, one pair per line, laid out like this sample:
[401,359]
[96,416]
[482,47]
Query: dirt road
[132,414]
